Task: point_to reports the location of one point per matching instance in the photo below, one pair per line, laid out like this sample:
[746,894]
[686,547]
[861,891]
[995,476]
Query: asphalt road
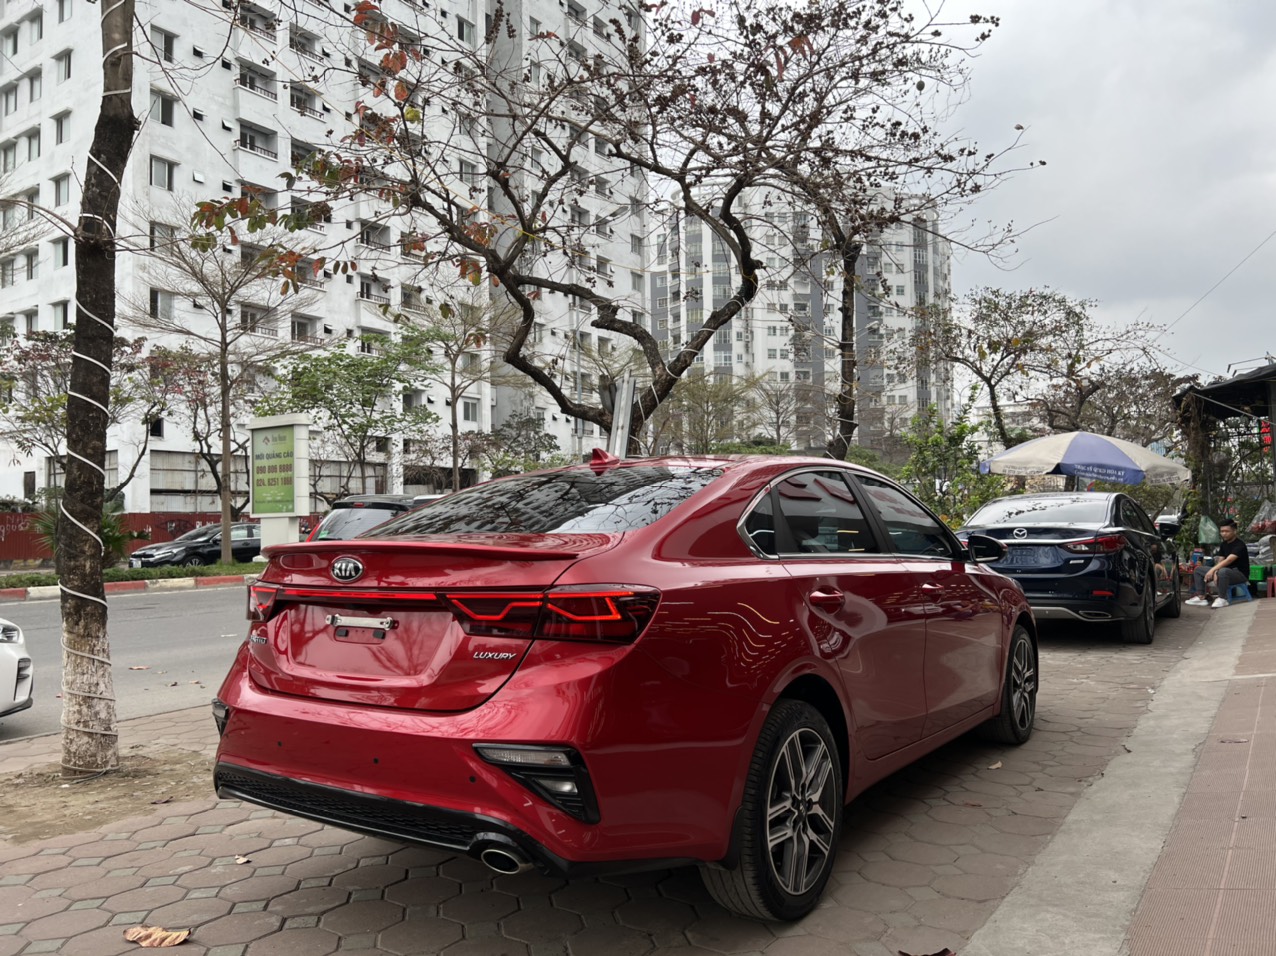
[185,640]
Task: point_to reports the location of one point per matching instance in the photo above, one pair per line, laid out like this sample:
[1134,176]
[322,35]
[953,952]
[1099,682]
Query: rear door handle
[827,599]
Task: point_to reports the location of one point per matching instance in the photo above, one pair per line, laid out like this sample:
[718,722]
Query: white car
[16,672]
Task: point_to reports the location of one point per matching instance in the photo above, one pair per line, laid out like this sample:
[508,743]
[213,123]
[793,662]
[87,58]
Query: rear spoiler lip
[436,546]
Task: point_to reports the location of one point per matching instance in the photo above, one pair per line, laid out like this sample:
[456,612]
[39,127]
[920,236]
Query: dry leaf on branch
[154,937]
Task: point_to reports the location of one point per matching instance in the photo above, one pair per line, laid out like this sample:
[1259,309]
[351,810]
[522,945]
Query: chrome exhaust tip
[504,861]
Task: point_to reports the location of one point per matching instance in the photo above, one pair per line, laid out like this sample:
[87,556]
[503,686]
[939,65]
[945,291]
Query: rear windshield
[563,502]
[342,523]
[1041,511]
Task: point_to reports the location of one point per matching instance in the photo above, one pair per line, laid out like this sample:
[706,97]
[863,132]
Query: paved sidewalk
[939,855]
[44,592]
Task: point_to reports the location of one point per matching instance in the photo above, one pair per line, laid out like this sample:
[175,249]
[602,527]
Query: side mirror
[985,550]
[1167,526]
[215,540]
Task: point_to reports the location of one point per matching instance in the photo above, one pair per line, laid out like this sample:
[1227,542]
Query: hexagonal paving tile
[417,935]
[724,933]
[478,906]
[376,876]
[308,901]
[609,941]
[362,916]
[586,896]
[656,915]
[486,946]
[422,891]
[295,942]
[238,928]
[544,924]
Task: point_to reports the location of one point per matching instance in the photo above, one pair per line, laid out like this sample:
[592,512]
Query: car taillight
[1106,544]
[261,601]
[592,613]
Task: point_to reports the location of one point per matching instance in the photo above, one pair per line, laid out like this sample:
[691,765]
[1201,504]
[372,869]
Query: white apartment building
[789,332]
[230,97]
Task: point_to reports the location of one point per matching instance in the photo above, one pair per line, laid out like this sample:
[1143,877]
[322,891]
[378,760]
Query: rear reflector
[1107,544]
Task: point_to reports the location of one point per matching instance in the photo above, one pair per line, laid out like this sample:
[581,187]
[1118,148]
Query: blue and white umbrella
[1088,456]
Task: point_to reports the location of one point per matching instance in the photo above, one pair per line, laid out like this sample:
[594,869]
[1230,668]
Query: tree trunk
[89,737]
[998,419]
[840,442]
[226,467]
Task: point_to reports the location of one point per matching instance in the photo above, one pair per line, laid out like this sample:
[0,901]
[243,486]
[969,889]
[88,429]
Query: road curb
[130,587]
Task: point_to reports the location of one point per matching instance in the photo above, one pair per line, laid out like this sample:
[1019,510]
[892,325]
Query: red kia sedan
[626,665]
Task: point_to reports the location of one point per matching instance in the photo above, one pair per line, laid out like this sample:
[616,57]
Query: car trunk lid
[1050,549]
[435,624]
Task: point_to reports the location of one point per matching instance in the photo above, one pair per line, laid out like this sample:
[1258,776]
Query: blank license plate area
[341,640]
[1029,556]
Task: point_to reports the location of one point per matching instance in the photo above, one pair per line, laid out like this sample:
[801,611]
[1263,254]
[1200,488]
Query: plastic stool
[1239,592]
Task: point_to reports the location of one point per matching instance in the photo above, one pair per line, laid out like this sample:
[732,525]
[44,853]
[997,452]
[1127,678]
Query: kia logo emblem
[1019,533]
[347,569]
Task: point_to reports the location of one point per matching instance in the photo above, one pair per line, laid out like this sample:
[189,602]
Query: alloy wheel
[1023,684]
[801,812]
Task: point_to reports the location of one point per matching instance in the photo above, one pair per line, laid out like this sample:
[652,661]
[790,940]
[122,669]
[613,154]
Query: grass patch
[35,579]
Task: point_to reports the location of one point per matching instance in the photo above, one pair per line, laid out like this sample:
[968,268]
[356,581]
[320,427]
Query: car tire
[1140,629]
[1018,693]
[795,746]
[1174,606]
[192,561]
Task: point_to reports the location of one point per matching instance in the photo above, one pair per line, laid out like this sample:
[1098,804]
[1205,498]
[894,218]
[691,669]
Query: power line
[1205,295]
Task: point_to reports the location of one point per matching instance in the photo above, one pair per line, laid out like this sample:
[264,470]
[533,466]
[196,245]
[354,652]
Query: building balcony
[253,85]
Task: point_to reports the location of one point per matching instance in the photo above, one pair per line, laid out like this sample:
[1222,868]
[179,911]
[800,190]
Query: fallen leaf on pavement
[139,667]
[162,800]
[996,766]
[174,684]
[1234,740]
[154,937]
[943,952]
[242,859]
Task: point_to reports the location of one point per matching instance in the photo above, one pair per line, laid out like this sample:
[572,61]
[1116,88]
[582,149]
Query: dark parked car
[355,514]
[626,665]
[201,546]
[1086,556]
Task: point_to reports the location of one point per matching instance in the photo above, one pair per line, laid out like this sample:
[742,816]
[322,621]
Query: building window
[465,31]
[899,290]
[64,11]
[161,306]
[470,410]
[61,315]
[62,66]
[162,234]
[61,189]
[36,28]
[8,157]
[157,428]
[635,244]
[61,125]
[164,42]
[163,173]
[32,264]
[61,253]
[33,146]
[162,108]
[10,100]
[35,86]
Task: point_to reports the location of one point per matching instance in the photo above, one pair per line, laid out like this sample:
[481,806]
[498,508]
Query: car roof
[373,499]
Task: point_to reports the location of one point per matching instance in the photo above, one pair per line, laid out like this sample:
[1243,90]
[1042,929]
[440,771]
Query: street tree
[705,411]
[501,162]
[521,444]
[775,407]
[225,303]
[1006,340]
[355,398]
[195,409]
[35,378]
[90,740]
[23,222]
[943,466]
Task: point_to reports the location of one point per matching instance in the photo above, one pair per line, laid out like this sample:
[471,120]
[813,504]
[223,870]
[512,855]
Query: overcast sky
[1157,122]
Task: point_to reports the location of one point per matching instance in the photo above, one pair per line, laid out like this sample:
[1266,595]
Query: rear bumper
[662,761]
[469,833]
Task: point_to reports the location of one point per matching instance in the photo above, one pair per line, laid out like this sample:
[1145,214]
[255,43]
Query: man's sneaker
[1197,601]
[1221,602]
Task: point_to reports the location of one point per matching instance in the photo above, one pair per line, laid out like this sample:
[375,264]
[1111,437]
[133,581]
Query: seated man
[1231,567]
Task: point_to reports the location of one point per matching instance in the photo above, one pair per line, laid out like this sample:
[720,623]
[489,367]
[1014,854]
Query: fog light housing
[221,715]
[557,775]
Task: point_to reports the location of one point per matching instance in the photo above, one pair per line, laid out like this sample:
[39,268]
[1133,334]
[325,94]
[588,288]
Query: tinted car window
[342,523]
[1054,510]
[822,514]
[573,501]
[912,528]
[759,526]
[1132,516]
[199,534]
